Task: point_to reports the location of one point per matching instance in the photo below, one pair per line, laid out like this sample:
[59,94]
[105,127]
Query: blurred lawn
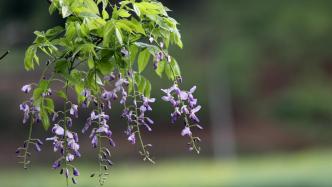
[306,169]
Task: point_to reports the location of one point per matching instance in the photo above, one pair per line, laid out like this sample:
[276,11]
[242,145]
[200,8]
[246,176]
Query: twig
[4,55]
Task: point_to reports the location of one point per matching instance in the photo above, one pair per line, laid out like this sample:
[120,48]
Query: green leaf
[108,33]
[44,118]
[62,94]
[169,72]
[105,14]
[130,86]
[29,58]
[37,93]
[119,35]
[123,13]
[91,63]
[176,67]
[137,11]
[160,69]
[148,86]
[78,89]
[152,48]
[143,60]
[54,31]
[105,67]
[65,11]
[141,85]
[49,105]
[62,66]
[133,50]
[53,6]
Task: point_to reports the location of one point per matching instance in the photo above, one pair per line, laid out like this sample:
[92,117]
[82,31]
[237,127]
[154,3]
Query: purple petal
[186,132]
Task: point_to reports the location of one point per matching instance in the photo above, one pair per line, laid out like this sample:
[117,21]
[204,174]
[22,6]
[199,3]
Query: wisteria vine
[99,56]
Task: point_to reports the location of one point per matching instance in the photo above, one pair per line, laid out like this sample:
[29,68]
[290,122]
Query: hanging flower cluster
[100,56]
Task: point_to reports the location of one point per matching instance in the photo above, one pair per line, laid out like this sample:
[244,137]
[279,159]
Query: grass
[306,169]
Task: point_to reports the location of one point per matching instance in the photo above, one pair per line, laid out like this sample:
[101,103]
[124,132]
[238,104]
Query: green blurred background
[264,74]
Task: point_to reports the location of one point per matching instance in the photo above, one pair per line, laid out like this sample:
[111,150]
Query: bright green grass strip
[308,169]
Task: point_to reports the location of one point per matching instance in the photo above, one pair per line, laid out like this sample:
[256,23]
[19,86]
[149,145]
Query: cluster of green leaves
[91,43]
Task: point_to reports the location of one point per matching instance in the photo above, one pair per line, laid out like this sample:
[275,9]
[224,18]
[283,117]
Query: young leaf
[143,60]
[119,36]
[29,58]
[49,105]
[160,69]
[148,86]
[169,72]
[62,94]
[44,118]
[54,31]
[137,11]
[141,85]
[176,68]
[123,13]
[91,63]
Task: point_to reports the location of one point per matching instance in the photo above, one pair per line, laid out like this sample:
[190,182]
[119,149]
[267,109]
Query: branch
[4,55]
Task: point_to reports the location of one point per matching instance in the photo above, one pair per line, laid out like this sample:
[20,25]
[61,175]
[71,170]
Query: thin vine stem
[25,162]
[65,129]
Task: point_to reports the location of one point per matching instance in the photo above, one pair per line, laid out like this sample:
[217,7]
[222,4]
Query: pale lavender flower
[110,77]
[124,52]
[120,83]
[146,105]
[26,109]
[124,96]
[159,56]
[186,132]
[26,88]
[184,109]
[132,138]
[86,93]
[48,92]
[74,110]
[70,157]
[58,130]
[193,112]
[149,120]
[94,141]
[37,147]
[107,95]
[73,145]
[55,116]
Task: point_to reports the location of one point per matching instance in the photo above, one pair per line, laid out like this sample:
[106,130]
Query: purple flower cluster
[102,128]
[29,110]
[86,93]
[138,116]
[112,95]
[100,131]
[66,143]
[185,104]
